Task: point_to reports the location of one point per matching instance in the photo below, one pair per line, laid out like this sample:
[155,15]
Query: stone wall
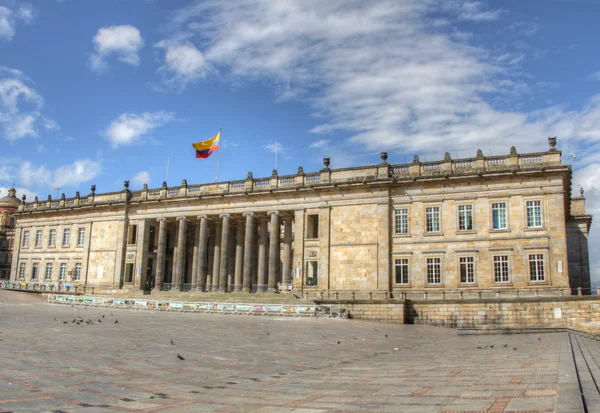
[578,313]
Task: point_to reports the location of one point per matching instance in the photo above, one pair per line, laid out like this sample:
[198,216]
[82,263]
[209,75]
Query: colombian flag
[205,148]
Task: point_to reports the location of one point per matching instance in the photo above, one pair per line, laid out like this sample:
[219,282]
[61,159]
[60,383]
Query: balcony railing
[371,173]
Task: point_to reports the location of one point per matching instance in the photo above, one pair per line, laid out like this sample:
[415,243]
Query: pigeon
[539,339]
[65,322]
[116,321]
[514,348]
[102,315]
[325,337]
[491,346]
[179,357]
[85,308]
[479,347]
[78,323]
[172,342]
[339,342]
[74,320]
[506,345]
[99,320]
[55,319]
[268,333]
[386,336]
[111,314]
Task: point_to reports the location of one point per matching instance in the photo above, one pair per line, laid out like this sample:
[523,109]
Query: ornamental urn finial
[513,150]
[250,176]
[300,170]
[126,184]
[164,185]
[49,197]
[274,173]
[447,156]
[581,191]
[24,197]
[77,196]
[93,188]
[63,197]
[479,153]
[184,183]
[384,156]
[326,162]
[416,159]
[145,187]
[552,143]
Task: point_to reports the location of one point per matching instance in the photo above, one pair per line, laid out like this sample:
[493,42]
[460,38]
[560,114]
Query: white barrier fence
[202,307]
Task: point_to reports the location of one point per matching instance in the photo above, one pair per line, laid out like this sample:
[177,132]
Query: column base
[237,288]
[261,288]
[207,288]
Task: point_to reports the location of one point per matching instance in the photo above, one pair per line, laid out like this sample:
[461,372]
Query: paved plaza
[258,364]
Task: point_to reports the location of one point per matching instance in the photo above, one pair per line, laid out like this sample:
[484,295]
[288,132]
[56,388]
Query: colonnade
[239,253]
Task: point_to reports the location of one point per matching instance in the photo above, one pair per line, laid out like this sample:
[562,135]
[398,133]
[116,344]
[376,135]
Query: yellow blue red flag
[205,148]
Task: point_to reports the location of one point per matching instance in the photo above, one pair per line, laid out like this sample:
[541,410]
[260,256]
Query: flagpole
[276,152]
[219,154]
[168,162]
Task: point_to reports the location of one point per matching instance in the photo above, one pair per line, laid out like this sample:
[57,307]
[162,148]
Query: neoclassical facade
[498,222]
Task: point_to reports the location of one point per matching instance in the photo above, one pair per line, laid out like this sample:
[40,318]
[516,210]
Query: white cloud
[141,178]
[122,41]
[30,175]
[20,192]
[320,144]
[184,63]
[76,173]
[129,127]
[595,75]
[20,107]
[10,17]
[275,147]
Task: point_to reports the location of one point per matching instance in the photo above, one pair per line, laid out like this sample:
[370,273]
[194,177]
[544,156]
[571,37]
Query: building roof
[11,199]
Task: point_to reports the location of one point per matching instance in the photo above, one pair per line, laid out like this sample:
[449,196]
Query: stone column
[247,272]
[194,280]
[273,247]
[239,257]
[261,285]
[231,258]
[217,257]
[254,267]
[181,241]
[160,254]
[202,253]
[287,252]
[222,287]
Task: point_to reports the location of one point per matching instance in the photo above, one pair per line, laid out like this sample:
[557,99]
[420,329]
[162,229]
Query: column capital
[203,216]
[273,213]
[224,215]
[161,219]
[248,214]
[181,218]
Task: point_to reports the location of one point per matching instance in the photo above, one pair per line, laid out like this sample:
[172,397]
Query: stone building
[484,223]
[8,205]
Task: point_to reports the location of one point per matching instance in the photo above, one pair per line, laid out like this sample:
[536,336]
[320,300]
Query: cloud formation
[20,107]
[9,18]
[121,41]
[141,178]
[184,64]
[128,128]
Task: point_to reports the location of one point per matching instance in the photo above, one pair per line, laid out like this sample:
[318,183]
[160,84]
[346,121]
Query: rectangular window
[499,215]
[77,272]
[501,274]
[465,217]
[402,271]
[80,237]
[26,239]
[434,270]
[312,273]
[22,271]
[401,221]
[536,267]
[52,238]
[34,271]
[66,237]
[312,226]
[433,219]
[534,214]
[48,275]
[62,275]
[128,273]
[467,270]
[38,238]
[132,237]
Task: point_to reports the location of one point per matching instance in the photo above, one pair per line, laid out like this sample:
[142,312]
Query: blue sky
[98,92]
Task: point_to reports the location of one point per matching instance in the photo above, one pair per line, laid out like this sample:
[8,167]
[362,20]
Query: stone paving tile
[250,364]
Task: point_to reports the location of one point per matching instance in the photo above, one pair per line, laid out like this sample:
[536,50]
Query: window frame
[508,269]
[35,271]
[50,266]
[52,238]
[406,215]
[506,215]
[540,258]
[440,264]
[439,217]
[66,240]
[309,230]
[541,214]
[80,238]
[62,275]
[458,216]
[396,265]
[474,270]
[77,271]
[41,237]
[306,273]
[25,243]
[21,271]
